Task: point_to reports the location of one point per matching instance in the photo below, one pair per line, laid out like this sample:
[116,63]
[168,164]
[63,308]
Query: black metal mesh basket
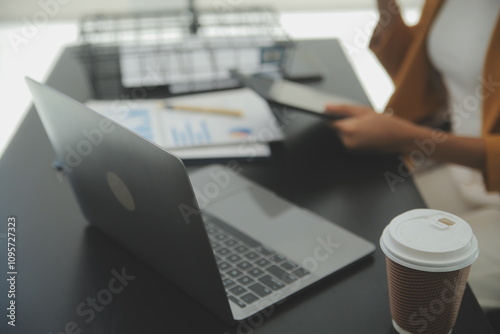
[159,54]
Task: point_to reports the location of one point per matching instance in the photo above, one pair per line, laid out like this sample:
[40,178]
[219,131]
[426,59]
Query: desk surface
[63,264]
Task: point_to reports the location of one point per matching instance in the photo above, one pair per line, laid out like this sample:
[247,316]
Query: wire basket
[159,54]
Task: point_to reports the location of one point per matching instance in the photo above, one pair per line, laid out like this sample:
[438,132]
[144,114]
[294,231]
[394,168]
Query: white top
[457,44]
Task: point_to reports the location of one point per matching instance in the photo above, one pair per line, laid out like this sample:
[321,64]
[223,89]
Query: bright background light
[350,21]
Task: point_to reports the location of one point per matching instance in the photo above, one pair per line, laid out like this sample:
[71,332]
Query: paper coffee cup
[428,256]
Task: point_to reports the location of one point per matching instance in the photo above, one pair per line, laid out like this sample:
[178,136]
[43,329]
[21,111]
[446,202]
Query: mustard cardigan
[419,90]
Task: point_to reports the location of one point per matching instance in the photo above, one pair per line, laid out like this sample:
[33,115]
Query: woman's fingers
[347,110]
[341,109]
[343,125]
[351,114]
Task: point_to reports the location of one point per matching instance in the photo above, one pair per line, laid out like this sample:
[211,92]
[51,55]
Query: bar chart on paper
[188,133]
[192,134]
[140,122]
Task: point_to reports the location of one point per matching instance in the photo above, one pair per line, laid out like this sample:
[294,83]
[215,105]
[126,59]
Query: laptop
[232,245]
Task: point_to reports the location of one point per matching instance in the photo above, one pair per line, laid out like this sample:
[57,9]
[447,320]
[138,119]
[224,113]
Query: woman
[446,68]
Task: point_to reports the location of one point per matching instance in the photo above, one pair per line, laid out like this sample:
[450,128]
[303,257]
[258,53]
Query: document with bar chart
[194,132]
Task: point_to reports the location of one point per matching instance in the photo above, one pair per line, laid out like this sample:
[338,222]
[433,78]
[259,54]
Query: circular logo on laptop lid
[120,191]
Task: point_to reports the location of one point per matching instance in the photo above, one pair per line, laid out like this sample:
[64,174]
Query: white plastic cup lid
[430,240]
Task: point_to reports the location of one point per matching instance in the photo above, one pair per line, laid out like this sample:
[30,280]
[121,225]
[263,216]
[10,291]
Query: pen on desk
[220,111]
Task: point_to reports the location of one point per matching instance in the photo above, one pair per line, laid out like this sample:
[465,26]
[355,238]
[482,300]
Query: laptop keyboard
[249,270]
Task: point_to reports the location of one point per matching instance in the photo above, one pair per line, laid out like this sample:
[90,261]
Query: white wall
[19,10]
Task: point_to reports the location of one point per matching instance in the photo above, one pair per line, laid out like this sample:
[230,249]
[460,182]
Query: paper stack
[201,130]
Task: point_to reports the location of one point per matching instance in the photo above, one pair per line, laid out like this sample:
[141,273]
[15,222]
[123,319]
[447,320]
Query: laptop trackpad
[263,216]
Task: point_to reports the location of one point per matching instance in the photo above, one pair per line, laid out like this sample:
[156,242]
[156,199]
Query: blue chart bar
[178,141]
[140,122]
[205,133]
[191,134]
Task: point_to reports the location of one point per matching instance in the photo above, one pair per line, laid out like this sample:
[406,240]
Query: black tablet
[293,95]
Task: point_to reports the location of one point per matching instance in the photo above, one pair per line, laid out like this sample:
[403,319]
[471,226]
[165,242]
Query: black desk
[62,262]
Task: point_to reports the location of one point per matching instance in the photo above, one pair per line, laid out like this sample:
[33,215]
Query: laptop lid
[132,189]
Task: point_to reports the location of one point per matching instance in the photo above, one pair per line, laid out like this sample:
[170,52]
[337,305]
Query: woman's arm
[367,130]
[445,147]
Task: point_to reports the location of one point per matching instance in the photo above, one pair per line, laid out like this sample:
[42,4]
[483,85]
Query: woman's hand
[366,130]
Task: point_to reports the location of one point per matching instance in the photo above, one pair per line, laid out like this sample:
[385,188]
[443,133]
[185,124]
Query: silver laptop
[231,244]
